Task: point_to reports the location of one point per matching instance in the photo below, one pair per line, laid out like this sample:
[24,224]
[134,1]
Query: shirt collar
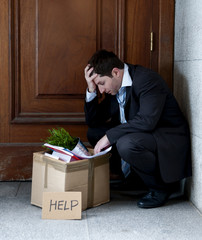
[127,81]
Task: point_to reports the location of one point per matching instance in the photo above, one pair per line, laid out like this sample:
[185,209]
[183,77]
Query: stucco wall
[188,83]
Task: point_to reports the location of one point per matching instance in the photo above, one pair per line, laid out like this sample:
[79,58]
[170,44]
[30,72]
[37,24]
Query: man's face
[110,85]
[107,84]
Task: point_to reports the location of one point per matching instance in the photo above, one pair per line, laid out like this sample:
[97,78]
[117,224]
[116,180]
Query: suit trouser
[139,150]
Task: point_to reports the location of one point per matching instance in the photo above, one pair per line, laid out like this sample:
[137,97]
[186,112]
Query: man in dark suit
[140,118]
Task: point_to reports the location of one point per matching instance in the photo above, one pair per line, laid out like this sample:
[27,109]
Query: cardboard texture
[62,205]
[88,176]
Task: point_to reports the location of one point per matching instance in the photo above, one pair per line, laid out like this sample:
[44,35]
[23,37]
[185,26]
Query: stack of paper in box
[63,153]
[78,153]
[90,176]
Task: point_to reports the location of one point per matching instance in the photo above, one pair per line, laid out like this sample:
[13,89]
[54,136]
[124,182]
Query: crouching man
[140,118]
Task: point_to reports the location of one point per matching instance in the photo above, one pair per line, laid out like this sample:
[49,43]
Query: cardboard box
[89,176]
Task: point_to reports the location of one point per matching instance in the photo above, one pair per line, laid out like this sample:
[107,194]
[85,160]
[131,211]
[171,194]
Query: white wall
[188,83]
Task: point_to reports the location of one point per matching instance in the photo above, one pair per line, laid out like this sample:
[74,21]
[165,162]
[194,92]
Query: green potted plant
[60,137]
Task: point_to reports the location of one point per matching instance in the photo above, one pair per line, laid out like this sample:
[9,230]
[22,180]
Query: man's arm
[90,79]
[151,96]
[91,102]
[95,113]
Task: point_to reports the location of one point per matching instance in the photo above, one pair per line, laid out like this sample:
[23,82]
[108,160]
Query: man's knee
[137,151]
[124,146]
[130,144]
[136,142]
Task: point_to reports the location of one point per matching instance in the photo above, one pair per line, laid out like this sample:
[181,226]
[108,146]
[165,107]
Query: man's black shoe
[153,199]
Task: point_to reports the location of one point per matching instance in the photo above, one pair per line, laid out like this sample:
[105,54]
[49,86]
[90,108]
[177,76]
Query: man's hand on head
[90,78]
[102,143]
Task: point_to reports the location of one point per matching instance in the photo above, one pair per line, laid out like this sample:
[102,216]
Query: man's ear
[115,72]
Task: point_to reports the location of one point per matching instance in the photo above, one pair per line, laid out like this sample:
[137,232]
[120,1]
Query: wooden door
[149,33]
[45,45]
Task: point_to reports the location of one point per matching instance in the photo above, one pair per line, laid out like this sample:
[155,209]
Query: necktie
[121,98]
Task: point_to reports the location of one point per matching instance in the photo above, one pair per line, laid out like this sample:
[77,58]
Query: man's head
[109,70]
[103,63]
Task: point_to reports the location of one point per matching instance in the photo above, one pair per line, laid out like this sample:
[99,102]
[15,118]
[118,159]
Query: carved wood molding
[52,118]
[14,57]
[120,29]
[118,7]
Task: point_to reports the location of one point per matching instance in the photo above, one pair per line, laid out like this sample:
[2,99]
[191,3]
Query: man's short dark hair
[103,62]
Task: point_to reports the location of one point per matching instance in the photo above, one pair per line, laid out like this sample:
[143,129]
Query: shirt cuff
[90,96]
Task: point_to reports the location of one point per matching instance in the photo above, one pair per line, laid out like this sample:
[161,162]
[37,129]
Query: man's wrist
[91,90]
[90,95]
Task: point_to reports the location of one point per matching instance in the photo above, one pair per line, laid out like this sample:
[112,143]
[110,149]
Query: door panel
[51,54]
[138,29]
[53,43]
[63,43]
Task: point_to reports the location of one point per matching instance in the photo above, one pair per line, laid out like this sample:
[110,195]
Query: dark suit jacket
[150,107]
